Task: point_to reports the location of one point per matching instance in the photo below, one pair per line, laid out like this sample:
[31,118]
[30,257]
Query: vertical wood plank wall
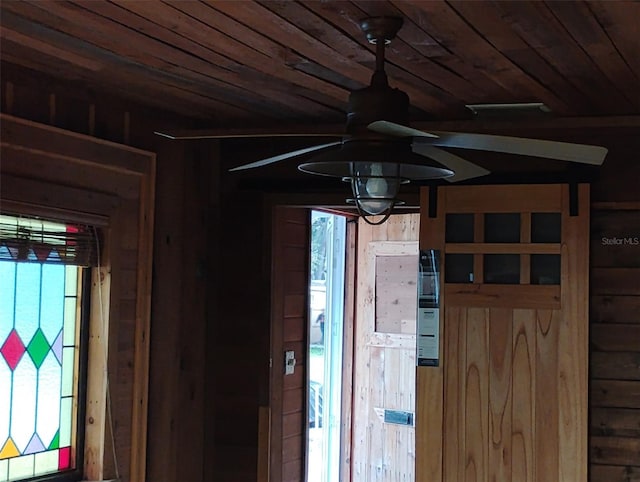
[290,275]
[177,347]
[239,339]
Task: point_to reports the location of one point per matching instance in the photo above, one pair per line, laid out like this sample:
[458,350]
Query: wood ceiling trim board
[620,20]
[284,31]
[455,34]
[185,23]
[152,58]
[535,23]
[487,20]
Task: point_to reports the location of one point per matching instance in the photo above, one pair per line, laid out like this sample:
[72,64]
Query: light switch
[289,362]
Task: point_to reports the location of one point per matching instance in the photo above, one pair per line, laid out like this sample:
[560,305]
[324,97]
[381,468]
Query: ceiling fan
[379,151]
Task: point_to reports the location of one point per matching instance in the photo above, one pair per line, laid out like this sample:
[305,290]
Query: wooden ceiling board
[404,63]
[71,36]
[280,55]
[177,27]
[236,95]
[583,26]
[620,21]
[543,31]
[503,37]
[460,38]
[480,87]
[256,63]
[150,90]
[288,31]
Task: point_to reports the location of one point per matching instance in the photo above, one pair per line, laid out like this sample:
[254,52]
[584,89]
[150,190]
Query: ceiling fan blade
[240,132]
[562,151]
[286,155]
[398,130]
[461,168]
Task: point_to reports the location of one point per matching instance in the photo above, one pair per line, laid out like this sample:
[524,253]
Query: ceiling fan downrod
[380,31]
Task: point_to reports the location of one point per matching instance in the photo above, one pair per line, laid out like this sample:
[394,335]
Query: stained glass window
[39,355]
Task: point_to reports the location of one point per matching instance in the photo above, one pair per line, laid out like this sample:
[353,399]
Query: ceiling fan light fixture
[375,169]
[375,188]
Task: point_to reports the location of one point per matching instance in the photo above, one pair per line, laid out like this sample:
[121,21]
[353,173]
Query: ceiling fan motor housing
[373,103]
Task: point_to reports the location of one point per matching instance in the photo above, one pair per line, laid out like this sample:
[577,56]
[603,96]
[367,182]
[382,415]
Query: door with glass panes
[508,400]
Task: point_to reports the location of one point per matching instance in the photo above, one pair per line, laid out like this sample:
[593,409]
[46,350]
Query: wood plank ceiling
[253,63]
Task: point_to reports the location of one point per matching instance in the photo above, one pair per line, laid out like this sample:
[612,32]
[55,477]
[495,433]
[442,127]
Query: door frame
[270,417]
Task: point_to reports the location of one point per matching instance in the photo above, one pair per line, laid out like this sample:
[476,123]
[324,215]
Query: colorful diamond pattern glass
[37,357]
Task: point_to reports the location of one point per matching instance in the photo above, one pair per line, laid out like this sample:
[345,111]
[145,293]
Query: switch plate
[289,362]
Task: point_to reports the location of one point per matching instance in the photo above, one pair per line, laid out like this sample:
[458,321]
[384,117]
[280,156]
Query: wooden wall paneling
[166,312]
[430,412]
[615,450]
[621,422]
[620,366]
[614,445]
[120,356]
[615,393]
[615,473]
[130,224]
[616,281]
[614,337]
[614,308]
[241,326]
[200,202]
[288,399]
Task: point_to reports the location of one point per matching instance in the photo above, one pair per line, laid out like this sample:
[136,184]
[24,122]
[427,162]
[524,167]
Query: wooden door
[509,399]
[385,346]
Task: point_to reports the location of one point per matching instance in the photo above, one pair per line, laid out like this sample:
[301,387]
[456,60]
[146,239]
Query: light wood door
[385,349]
[509,399]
